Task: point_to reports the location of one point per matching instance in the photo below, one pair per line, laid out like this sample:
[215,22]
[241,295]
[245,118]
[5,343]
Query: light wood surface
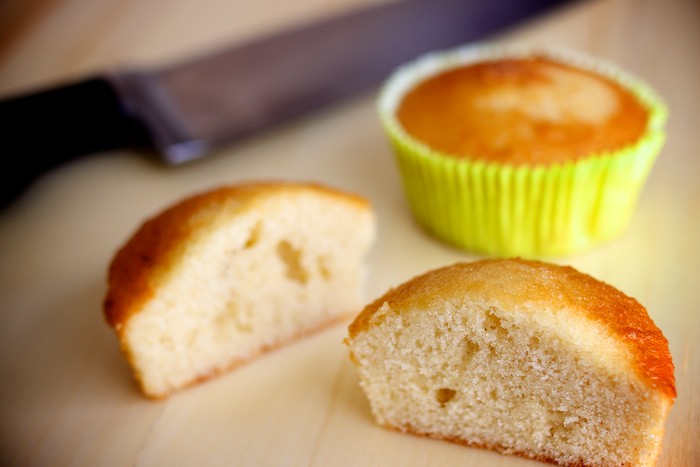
[66,394]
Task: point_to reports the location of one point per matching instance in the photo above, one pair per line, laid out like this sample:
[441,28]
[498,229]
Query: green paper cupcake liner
[510,210]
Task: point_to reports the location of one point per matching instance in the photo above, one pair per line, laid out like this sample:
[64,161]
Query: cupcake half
[510,150]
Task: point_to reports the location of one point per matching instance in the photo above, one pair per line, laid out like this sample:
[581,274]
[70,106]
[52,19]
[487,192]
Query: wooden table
[66,394]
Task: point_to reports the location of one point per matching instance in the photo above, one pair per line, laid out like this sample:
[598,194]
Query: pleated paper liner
[510,210]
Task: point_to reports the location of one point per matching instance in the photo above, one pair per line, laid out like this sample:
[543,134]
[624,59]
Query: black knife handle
[41,130]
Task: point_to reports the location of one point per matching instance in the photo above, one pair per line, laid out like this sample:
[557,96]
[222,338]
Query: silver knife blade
[186,110]
[194,107]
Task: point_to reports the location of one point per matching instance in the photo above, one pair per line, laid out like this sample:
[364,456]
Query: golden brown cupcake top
[522,111]
[534,285]
[140,265]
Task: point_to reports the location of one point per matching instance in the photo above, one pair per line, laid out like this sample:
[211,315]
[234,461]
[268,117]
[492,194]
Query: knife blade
[184,111]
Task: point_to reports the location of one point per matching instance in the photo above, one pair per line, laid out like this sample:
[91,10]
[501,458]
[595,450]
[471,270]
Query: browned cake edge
[534,281]
[149,254]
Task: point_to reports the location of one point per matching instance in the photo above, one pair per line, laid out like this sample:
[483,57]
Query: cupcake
[510,150]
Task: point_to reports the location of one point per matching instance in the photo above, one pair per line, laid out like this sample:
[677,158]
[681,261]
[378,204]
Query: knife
[186,110]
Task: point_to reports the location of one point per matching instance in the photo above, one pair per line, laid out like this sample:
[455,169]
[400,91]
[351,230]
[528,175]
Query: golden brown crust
[522,111]
[513,282]
[139,265]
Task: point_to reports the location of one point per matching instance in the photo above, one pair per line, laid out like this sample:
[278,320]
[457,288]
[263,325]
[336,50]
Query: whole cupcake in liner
[539,200]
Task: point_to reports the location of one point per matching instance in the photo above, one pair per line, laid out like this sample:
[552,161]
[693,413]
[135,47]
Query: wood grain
[66,394]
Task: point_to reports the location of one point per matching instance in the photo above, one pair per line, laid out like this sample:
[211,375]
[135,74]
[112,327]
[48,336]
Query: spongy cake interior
[249,282]
[533,381]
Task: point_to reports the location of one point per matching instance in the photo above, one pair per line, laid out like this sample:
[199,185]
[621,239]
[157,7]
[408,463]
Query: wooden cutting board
[67,397]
